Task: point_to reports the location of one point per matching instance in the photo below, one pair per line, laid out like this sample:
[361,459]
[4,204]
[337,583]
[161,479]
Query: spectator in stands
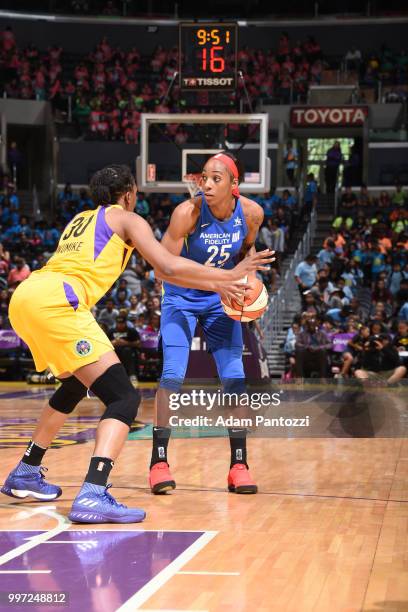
[136,308]
[395,277]
[384,201]
[348,202]
[334,158]
[85,202]
[380,360]
[306,274]
[123,287]
[399,197]
[126,341]
[364,199]
[402,295]
[403,312]
[352,355]
[142,206]
[289,347]
[290,156]
[327,254]
[15,160]
[381,293]
[67,195]
[4,261]
[400,341]
[340,313]
[133,275]
[121,300]
[356,310]
[352,59]
[109,314]
[19,272]
[310,197]
[312,346]
[288,200]
[276,238]
[4,303]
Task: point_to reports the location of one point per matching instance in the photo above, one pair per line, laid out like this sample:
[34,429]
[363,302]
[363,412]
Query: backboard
[173,145]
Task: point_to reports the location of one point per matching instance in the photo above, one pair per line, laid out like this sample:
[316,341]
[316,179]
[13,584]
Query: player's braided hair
[110,183]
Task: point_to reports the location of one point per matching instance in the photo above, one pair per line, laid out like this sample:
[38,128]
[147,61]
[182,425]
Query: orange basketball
[255,303]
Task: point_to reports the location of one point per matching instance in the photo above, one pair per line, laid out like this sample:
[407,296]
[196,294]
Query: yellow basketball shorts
[48,312]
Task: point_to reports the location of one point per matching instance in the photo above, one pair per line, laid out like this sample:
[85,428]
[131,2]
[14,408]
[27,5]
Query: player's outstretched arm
[184,272]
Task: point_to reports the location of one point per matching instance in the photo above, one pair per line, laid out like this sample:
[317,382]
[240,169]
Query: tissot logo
[326,115]
[208,82]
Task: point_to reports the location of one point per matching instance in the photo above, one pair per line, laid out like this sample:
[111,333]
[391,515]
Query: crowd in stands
[354,294]
[105,92]
[354,291]
[109,89]
[130,313]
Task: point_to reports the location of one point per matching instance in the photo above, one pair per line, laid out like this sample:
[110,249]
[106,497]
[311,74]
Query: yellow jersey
[90,254]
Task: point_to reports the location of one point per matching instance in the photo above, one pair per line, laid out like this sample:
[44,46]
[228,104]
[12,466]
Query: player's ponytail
[109,184]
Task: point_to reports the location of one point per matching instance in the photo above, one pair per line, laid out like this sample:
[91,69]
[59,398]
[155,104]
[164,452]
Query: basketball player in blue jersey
[216,228]
[51,312]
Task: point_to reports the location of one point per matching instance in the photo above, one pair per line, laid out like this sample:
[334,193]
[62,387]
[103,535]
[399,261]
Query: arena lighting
[152,29]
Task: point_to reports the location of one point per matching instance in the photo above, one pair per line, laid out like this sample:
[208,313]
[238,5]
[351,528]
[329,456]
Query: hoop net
[193,183]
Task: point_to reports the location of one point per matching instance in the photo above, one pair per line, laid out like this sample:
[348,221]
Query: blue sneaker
[94,504]
[27,480]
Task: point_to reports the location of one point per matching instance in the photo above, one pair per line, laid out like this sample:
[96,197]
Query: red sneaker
[240,481]
[160,478]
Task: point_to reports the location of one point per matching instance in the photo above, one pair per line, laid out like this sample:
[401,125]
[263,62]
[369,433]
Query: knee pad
[68,395]
[118,394]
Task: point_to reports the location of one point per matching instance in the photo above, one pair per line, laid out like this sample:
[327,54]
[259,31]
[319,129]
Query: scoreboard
[208,56]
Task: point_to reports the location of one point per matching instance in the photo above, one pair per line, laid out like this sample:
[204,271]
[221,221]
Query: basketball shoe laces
[40,476]
[110,499]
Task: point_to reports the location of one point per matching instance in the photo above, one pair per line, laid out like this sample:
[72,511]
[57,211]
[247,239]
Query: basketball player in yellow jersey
[50,311]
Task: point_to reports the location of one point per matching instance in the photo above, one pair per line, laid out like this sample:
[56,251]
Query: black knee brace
[118,394]
[68,395]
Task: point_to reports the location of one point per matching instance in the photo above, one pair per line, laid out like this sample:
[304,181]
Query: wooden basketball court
[327,531]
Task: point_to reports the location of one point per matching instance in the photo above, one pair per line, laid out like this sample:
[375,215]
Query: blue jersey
[212,243]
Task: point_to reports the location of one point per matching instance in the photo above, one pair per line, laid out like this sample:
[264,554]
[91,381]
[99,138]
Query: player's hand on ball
[256,261]
[234,290]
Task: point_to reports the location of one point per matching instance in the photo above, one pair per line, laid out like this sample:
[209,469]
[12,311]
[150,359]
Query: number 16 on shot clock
[208,56]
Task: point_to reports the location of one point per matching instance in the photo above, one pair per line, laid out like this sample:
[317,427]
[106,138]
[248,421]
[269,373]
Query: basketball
[255,303]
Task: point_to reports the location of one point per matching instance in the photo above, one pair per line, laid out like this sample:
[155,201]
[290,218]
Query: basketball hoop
[193,183]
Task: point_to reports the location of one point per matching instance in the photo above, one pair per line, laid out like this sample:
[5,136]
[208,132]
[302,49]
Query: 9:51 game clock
[208,56]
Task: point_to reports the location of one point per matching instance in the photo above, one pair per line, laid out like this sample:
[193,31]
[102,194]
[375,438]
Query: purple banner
[9,340]
[340,341]
[148,339]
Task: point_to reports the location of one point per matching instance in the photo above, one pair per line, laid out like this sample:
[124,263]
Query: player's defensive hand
[251,263]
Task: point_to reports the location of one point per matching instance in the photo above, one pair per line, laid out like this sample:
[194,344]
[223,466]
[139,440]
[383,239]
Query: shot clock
[208,56]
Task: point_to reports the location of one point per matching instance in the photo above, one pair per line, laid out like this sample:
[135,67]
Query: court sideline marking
[143,594]
[149,589]
[205,573]
[63,524]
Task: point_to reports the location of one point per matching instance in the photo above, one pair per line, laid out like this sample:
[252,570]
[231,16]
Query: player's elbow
[165,270]
[158,274]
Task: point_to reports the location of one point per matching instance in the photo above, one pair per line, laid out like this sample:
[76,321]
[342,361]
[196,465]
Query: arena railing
[272,321]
